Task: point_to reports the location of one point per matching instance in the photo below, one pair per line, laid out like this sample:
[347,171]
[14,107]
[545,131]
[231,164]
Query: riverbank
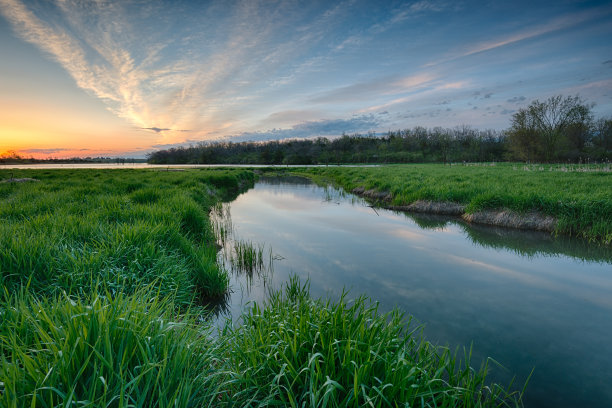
[531,220]
[546,198]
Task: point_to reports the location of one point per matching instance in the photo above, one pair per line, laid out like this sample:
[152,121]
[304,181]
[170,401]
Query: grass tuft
[296,351]
[103,351]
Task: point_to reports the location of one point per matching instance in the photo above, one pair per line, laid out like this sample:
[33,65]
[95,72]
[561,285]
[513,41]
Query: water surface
[523,298]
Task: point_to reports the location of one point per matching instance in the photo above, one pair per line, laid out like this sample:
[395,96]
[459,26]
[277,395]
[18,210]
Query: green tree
[542,130]
[522,138]
[602,139]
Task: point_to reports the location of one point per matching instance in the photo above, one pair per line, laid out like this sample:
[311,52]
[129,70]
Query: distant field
[580,197]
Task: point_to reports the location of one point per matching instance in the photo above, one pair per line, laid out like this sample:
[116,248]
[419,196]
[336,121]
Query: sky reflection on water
[519,297]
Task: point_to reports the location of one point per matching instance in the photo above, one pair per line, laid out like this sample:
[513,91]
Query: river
[525,299]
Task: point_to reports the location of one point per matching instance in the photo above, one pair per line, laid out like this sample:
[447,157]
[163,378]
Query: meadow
[579,197]
[104,279]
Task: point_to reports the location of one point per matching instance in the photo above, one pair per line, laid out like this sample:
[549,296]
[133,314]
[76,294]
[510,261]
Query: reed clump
[297,351]
[103,350]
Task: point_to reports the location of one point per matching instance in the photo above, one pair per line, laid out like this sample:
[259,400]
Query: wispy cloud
[416,9]
[517,99]
[160,130]
[325,128]
[434,88]
[385,86]
[556,24]
[85,41]
[45,151]
[162,81]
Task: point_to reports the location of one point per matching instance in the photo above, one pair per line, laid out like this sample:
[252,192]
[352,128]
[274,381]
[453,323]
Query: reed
[104,350]
[296,351]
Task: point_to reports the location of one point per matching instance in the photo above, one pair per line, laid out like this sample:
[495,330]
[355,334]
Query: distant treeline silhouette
[558,129]
[12,157]
[404,146]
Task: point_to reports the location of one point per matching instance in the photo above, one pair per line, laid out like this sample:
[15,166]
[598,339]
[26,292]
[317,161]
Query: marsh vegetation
[102,275]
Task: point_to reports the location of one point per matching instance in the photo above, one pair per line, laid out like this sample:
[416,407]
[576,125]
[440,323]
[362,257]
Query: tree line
[557,129]
[12,157]
[401,146]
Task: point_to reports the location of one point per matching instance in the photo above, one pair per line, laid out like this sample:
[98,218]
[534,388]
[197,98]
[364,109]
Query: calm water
[522,298]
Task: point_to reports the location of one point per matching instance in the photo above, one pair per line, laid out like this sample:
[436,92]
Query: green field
[580,197]
[104,277]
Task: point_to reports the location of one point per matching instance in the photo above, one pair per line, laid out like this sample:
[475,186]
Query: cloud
[351,41]
[477,95]
[293,116]
[507,111]
[324,128]
[45,151]
[385,86]
[434,113]
[608,63]
[159,130]
[416,9]
[559,23]
[155,129]
[171,145]
[86,39]
[163,68]
[431,90]
[517,99]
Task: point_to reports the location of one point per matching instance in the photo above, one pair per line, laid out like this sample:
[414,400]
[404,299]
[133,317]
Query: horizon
[123,79]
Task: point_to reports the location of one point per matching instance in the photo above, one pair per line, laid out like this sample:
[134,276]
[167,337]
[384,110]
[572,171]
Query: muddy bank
[501,217]
[511,219]
[431,207]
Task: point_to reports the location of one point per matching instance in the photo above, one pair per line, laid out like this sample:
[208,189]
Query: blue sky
[126,77]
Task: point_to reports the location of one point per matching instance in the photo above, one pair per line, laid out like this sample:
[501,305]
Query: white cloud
[556,24]
[384,86]
[185,80]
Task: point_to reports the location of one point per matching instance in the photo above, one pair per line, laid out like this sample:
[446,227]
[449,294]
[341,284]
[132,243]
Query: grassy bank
[579,199]
[102,273]
[123,228]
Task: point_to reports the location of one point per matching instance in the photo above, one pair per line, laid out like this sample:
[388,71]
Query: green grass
[248,256]
[296,351]
[102,275]
[125,228]
[104,350]
[580,199]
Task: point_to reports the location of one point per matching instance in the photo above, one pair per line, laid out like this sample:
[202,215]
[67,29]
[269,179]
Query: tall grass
[296,351]
[126,228]
[104,350]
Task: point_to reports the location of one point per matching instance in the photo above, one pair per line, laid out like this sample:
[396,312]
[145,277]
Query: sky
[124,78]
